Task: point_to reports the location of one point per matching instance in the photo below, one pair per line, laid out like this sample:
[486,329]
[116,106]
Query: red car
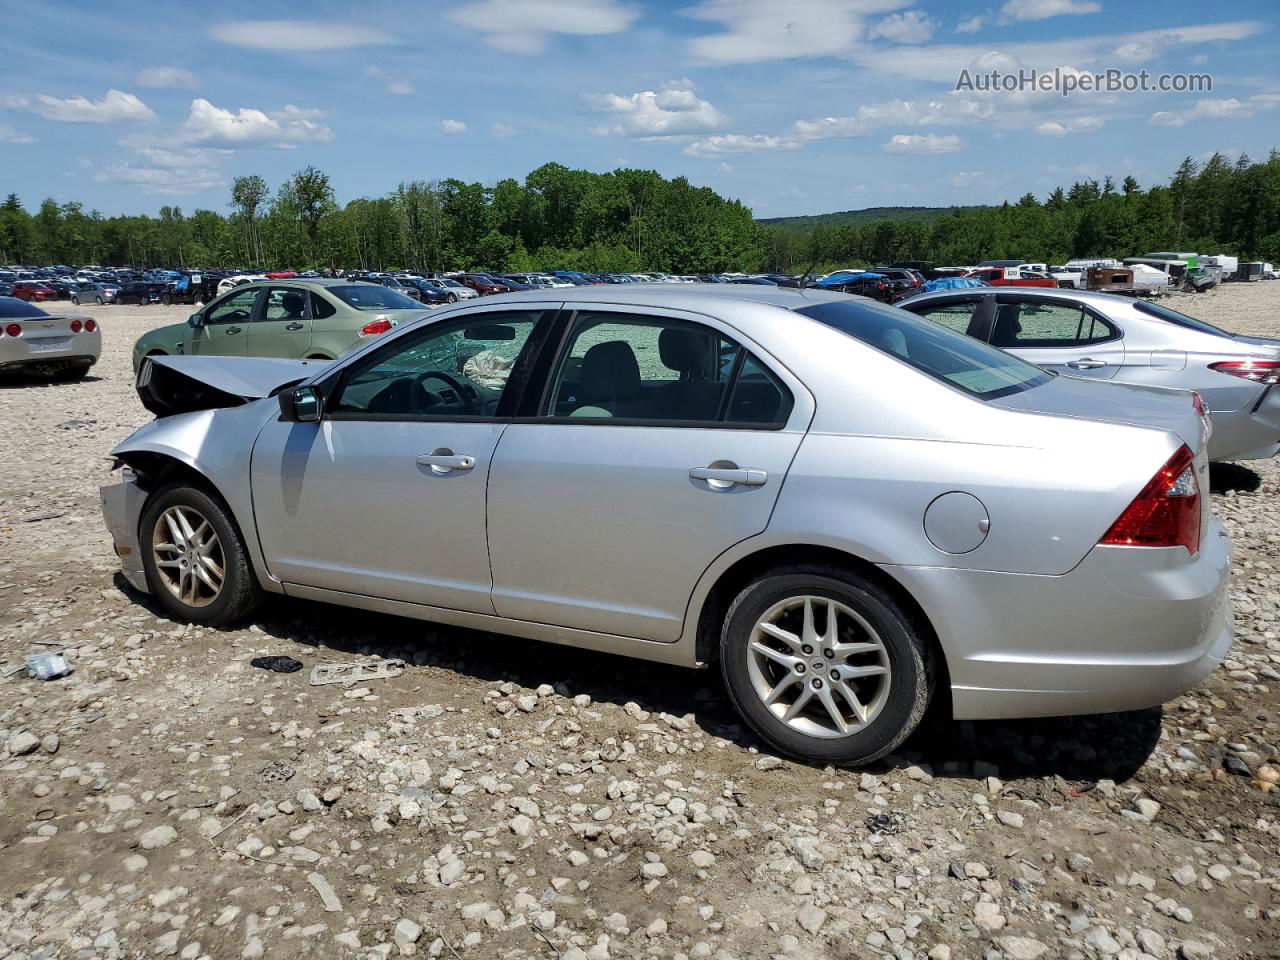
[481,283]
[33,290]
[1013,277]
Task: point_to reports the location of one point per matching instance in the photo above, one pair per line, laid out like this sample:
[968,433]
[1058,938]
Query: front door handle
[294,326]
[723,478]
[231,330]
[444,461]
[1086,363]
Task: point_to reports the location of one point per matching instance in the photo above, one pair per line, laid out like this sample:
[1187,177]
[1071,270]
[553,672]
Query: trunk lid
[1163,408]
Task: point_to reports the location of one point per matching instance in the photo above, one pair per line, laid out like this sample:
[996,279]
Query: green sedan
[298,319]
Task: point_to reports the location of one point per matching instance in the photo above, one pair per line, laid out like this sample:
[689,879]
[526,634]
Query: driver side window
[451,369]
[237,308]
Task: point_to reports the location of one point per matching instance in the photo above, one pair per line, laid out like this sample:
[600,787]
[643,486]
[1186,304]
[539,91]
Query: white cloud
[295,35]
[950,111]
[754,31]
[1044,9]
[970,25]
[399,86]
[1213,110]
[913,26]
[211,126]
[162,180]
[738,143]
[525,26]
[724,167]
[10,135]
[1052,128]
[166,78]
[115,107]
[965,178]
[501,130]
[924,143]
[452,126]
[673,110]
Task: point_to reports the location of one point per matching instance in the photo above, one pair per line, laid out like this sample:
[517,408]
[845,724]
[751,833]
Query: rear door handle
[444,461]
[1086,363]
[722,478]
[231,330]
[294,326]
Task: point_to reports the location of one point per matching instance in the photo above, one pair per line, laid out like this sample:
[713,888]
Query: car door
[281,326]
[1060,335]
[225,328]
[385,496]
[661,441]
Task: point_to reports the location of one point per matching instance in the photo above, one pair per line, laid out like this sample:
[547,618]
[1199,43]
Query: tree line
[628,220]
[620,221]
[1212,207]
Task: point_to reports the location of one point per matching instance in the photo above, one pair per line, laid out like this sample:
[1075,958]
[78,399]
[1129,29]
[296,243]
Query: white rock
[811,917]
[158,837]
[406,932]
[22,743]
[1022,948]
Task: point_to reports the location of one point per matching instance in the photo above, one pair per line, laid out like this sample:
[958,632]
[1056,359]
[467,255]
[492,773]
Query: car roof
[1042,293]
[695,297]
[303,281]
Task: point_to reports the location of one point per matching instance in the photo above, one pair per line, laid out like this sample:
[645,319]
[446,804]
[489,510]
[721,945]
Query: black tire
[1065,285]
[910,682]
[99,300]
[239,594]
[75,301]
[453,298]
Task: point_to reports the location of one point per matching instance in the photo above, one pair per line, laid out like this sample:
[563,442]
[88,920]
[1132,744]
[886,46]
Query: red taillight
[375,327]
[90,325]
[76,326]
[1259,371]
[1167,511]
[13,330]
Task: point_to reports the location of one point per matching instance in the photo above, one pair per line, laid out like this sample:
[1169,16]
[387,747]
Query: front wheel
[824,665]
[99,301]
[453,298]
[75,301]
[194,557]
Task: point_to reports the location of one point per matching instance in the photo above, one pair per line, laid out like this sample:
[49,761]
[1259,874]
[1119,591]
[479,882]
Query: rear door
[1059,335]
[660,442]
[281,327]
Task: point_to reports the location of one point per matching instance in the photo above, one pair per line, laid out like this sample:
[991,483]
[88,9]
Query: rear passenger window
[1031,324]
[955,316]
[321,309]
[758,398]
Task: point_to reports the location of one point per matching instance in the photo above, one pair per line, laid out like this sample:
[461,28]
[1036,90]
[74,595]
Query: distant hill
[858,218]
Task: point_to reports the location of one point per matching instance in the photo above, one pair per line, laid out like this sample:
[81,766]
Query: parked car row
[691,474]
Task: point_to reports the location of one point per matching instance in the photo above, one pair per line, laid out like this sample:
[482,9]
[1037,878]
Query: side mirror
[301,405]
[196,320]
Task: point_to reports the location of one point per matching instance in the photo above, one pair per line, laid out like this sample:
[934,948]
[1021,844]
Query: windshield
[975,367]
[370,296]
[17,309]
[446,282]
[1181,319]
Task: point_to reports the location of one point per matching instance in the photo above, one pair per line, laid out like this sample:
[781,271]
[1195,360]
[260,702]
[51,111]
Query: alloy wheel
[818,666]
[188,556]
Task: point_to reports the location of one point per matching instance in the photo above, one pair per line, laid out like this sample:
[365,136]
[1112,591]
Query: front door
[385,496]
[225,331]
[1062,336]
[282,325]
[660,443]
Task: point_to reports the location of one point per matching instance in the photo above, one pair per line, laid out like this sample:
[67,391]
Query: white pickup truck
[1066,277]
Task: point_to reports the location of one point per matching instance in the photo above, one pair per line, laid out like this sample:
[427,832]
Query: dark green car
[296,319]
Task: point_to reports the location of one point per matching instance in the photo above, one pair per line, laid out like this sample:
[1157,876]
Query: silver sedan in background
[1108,337]
[855,511]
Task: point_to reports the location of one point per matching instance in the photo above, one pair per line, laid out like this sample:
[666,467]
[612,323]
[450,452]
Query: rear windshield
[14,309]
[1181,319]
[971,365]
[372,296]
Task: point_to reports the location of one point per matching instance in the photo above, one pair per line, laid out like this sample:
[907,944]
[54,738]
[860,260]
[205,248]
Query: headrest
[609,372]
[687,351]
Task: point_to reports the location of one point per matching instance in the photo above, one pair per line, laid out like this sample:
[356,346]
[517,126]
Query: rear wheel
[824,665]
[75,301]
[453,298]
[99,301]
[194,557]
[1064,284]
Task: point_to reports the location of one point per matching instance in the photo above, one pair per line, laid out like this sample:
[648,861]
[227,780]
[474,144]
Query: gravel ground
[508,799]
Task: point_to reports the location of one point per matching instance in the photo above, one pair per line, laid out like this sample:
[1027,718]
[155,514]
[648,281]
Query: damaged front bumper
[122,509]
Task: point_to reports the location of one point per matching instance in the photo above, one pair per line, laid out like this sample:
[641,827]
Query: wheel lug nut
[817,684]
[829,654]
[799,668]
[806,649]
[835,676]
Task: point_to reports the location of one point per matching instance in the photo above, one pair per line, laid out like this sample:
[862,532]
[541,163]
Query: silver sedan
[1107,337]
[857,513]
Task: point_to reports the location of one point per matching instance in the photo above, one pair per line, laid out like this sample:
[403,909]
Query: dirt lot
[509,799]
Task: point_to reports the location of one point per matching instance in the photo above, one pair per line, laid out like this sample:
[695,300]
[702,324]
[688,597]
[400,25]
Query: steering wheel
[418,393]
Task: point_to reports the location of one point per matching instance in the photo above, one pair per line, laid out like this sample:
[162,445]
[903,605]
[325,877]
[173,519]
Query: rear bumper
[122,510]
[45,361]
[1129,628]
[1249,434]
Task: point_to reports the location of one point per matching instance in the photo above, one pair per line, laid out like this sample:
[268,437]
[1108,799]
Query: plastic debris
[48,666]
[356,671]
[277,664]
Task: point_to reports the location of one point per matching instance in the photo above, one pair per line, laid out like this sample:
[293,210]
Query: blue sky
[793,106]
